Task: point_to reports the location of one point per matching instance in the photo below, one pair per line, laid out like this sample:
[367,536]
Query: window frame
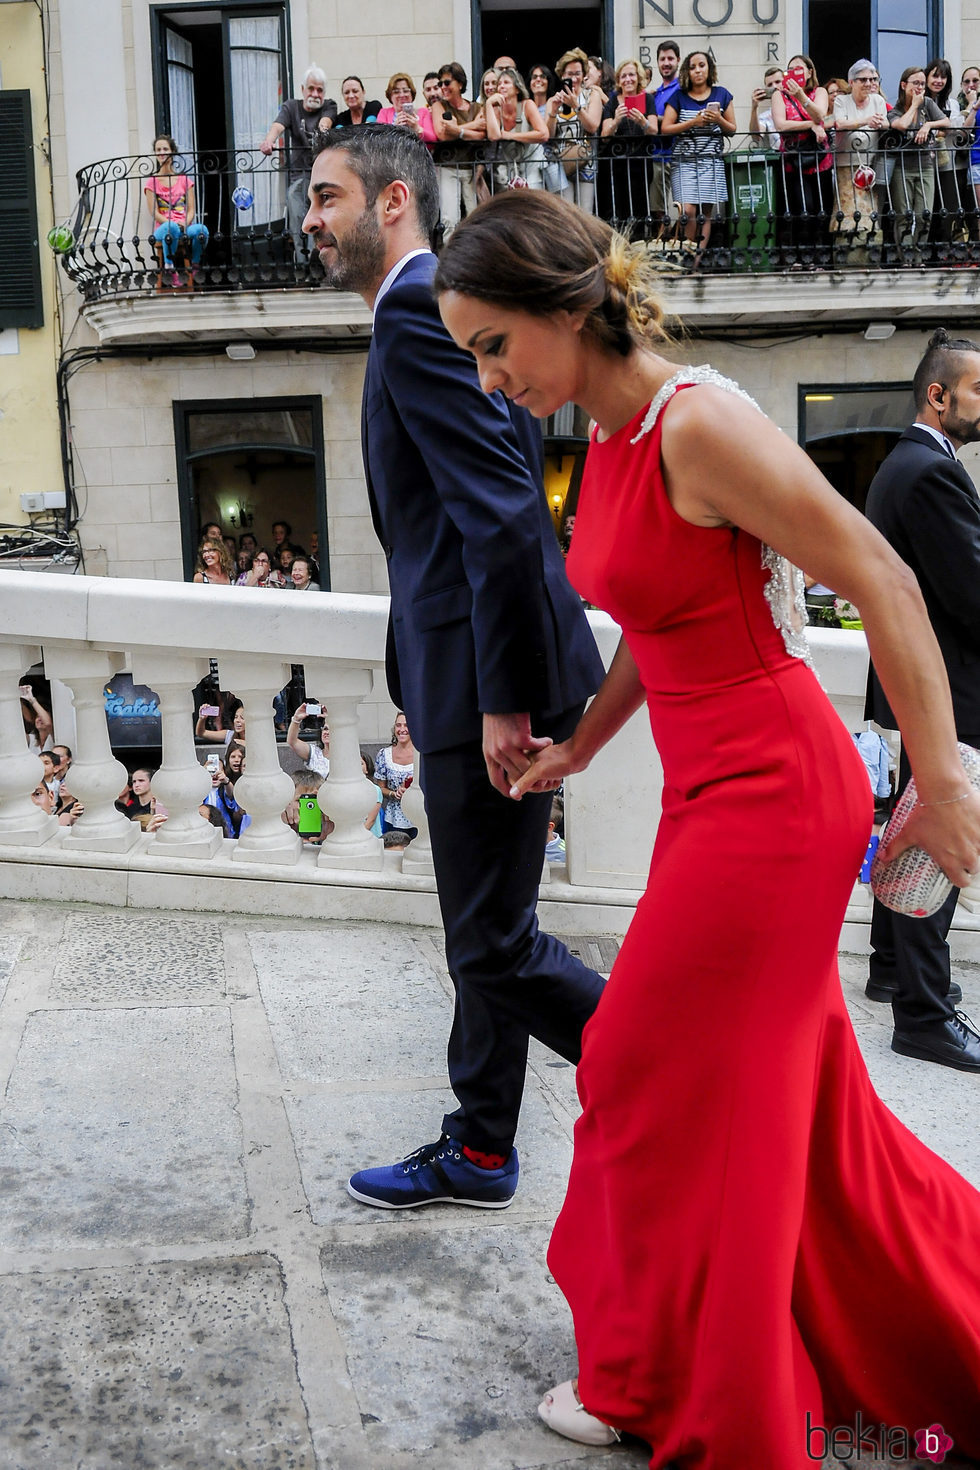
[184,407]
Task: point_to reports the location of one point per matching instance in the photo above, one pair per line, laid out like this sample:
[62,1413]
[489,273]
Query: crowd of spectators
[286,565]
[646,148]
[864,162]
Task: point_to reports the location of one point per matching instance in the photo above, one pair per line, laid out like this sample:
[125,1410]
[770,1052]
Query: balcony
[901,247]
[87,629]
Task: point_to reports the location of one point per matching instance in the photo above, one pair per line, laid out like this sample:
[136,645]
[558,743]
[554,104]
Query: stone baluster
[417,857]
[21,822]
[265,790]
[347,796]
[181,782]
[96,777]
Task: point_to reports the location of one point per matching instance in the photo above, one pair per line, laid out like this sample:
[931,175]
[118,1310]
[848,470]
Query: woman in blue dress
[699,116]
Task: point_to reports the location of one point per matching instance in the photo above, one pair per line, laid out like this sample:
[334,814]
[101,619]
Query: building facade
[236,397]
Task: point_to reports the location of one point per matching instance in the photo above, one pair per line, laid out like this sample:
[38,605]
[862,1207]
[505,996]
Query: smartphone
[213,764]
[208,709]
[310,816]
[636,102]
[408,107]
[797,75]
[312,707]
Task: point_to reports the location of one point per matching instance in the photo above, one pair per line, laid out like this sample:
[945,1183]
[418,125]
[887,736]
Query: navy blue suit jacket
[926,506]
[483,619]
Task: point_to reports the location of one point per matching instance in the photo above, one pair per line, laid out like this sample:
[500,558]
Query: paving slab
[151,1367]
[427,1384]
[120,1127]
[132,959]
[356,1003]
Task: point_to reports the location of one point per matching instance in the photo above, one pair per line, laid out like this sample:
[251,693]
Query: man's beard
[358,261]
[967,431]
[313,104]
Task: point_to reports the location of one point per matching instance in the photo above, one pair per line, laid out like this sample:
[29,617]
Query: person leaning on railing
[402,112]
[858,118]
[913,185]
[458,124]
[296,122]
[629,124]
[947,210]
[517,127]
[698,116]
[170,200]
[970,101]
[573,117]
[762,129]
[799,107]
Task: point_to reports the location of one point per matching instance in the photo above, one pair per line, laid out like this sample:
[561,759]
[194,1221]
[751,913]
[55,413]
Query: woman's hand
[922,136]
[949,831]
[547,769]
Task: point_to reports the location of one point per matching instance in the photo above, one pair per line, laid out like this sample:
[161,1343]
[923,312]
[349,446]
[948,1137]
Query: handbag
[914,883]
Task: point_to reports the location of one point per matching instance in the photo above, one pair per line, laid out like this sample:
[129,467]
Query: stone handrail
[89,628]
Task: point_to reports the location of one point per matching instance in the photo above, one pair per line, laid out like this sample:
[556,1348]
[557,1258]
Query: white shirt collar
[938,435]
[393,275]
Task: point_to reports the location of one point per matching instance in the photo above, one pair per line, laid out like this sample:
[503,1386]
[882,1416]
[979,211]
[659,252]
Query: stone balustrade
[89,628]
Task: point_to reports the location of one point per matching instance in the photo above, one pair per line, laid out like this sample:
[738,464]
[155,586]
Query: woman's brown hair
[531,251]
[684,74]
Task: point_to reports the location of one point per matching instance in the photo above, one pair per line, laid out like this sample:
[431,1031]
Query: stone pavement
[184,1283]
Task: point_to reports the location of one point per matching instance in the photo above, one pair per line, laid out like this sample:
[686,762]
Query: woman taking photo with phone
[699,115]
[799,108]
[749,1236]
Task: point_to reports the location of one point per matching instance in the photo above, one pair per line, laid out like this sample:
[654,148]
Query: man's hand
[507,744]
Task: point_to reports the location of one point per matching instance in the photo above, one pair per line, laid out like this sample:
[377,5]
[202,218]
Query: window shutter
[20,260]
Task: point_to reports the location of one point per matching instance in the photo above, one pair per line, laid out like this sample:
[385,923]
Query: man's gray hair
[314,74]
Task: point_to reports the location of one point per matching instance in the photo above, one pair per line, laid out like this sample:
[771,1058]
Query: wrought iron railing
[872,202]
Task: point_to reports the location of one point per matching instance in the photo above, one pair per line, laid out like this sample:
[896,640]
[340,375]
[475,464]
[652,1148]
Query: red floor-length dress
[749,1235]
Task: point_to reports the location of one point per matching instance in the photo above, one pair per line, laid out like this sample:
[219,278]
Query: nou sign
[708,13]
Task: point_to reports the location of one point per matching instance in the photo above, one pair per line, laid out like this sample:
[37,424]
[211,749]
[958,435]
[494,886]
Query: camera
[312,707]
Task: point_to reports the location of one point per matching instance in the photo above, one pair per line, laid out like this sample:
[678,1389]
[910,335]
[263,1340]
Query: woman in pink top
[170,200]
[403,113]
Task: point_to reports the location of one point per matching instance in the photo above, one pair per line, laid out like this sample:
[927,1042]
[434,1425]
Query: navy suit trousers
[511,980]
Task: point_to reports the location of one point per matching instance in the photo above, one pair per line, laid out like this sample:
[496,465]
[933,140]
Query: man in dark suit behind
[487,642]
[925,504]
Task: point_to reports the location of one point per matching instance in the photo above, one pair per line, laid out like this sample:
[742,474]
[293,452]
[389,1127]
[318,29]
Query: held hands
[547,770]
[949,832]
[509,748]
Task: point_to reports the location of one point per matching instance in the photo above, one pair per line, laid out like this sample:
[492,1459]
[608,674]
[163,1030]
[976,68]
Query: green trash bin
[752,206]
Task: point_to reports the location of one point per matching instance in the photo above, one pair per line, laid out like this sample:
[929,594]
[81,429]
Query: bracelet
[950,800]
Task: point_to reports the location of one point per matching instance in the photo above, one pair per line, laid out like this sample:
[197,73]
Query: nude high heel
[561,1411]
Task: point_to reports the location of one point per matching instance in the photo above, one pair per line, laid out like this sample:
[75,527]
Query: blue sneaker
[437,1174]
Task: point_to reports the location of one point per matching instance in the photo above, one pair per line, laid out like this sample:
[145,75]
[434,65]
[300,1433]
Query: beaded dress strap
[785,590]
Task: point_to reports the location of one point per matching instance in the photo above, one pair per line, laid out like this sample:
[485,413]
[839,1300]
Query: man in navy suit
[925,504]
[489,655]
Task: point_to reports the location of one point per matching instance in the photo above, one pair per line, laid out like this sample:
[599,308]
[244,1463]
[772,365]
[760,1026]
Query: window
[534,33]
[848,431]
[893,33]
[20,258]
[247,463]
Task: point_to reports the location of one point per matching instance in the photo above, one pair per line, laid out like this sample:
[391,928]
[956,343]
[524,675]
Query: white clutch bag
[914,883]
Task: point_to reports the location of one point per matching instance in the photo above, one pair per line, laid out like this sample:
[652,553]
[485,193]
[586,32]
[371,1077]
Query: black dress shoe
[888,989]
[952,1043]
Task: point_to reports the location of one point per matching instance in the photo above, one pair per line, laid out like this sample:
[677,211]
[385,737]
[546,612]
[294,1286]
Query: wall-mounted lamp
[879,331]
[244,351]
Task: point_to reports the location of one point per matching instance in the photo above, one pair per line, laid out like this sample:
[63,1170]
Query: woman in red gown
[755,1250]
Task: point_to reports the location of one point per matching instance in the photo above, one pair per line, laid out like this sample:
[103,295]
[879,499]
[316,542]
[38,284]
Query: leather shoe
[888,989]
[952,1043]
